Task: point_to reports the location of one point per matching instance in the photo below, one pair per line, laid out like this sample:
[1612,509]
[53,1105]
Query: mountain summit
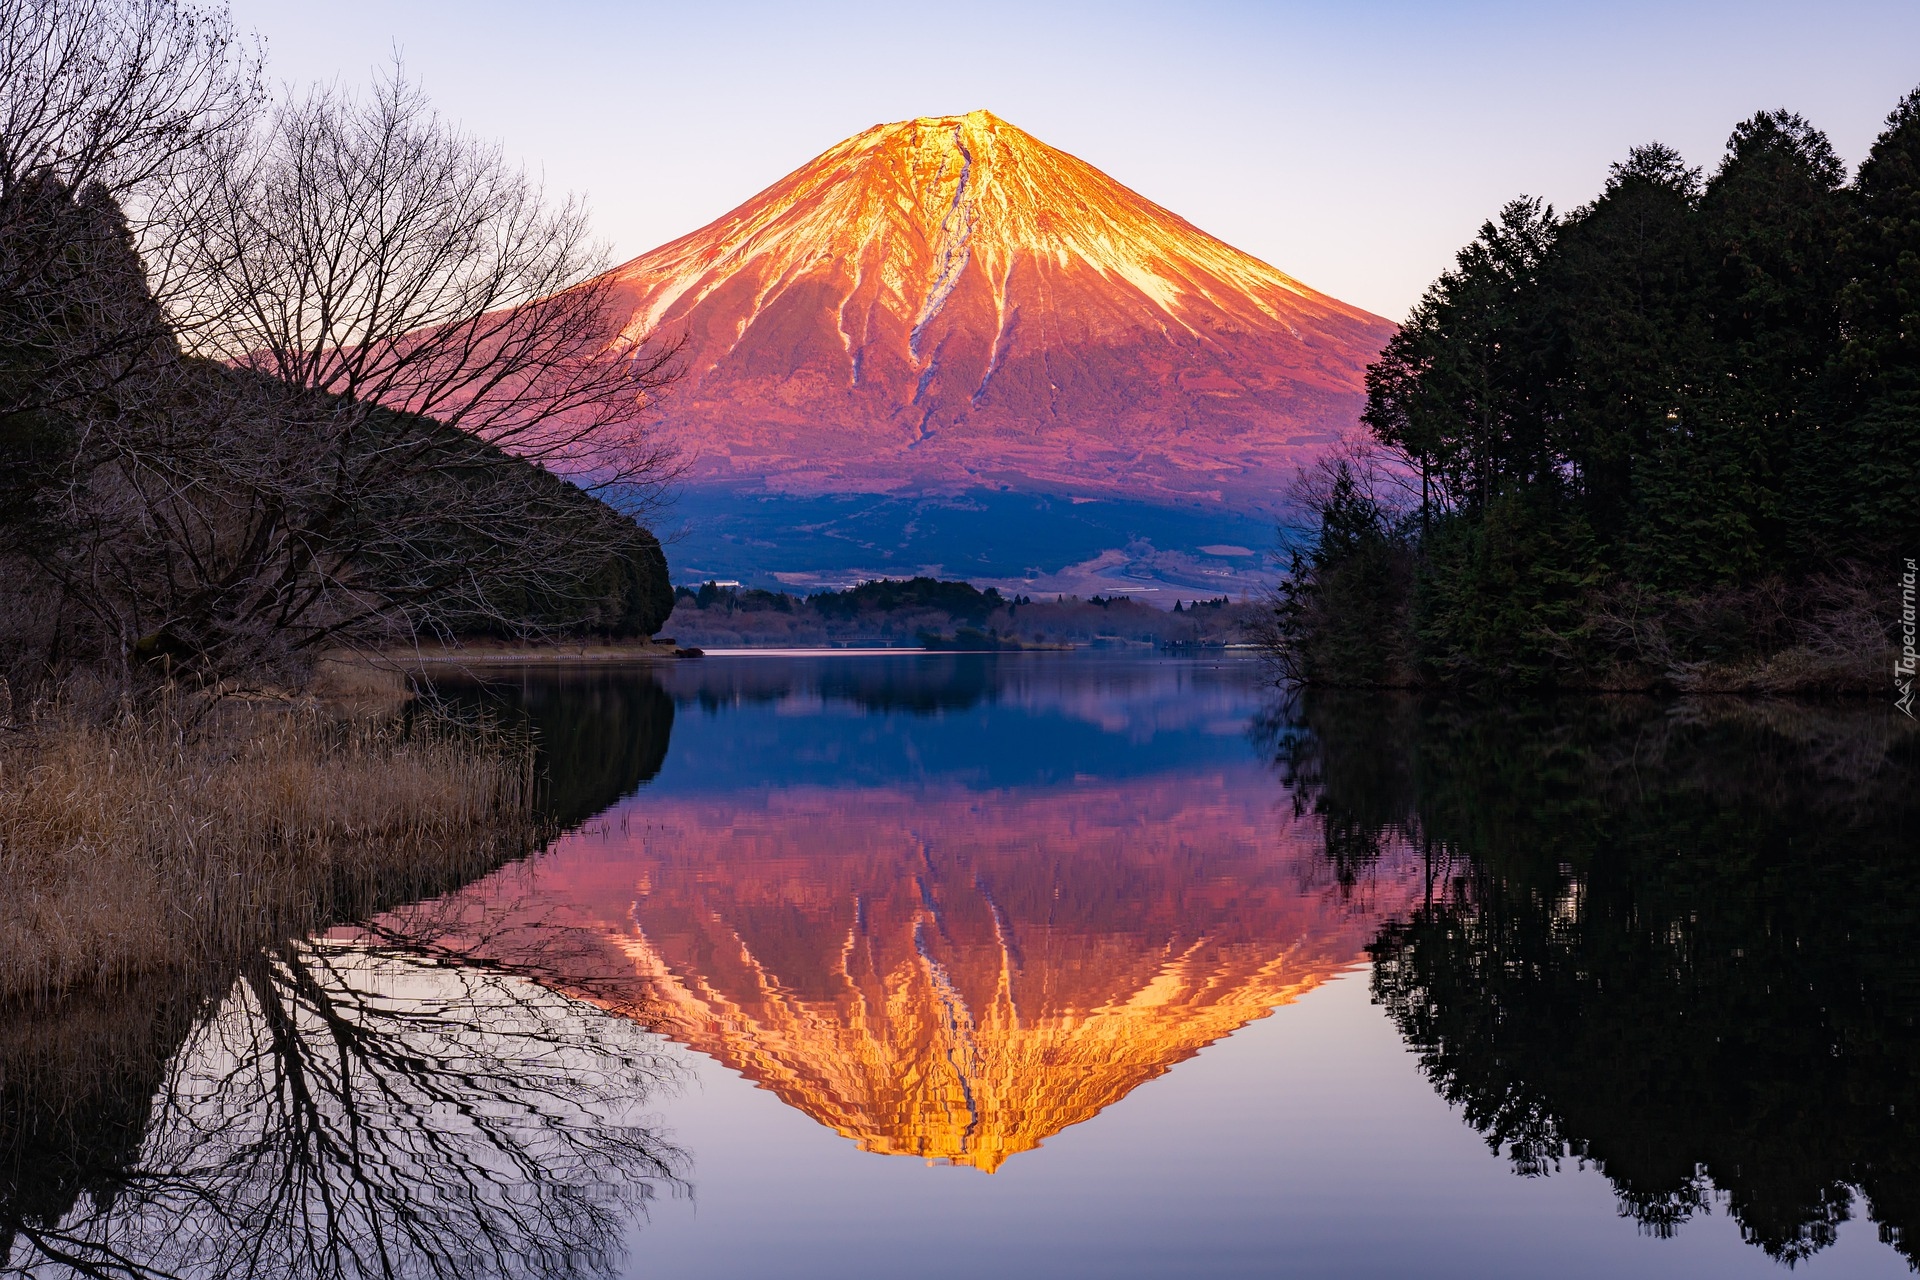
[949,304]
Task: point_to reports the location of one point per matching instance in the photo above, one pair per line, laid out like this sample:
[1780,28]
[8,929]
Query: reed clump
[151,840]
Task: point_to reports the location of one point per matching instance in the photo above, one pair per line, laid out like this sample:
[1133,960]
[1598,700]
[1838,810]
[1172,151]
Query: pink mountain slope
[949,303]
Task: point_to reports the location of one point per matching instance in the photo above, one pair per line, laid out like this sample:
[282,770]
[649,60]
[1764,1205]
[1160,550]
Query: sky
[1355,146]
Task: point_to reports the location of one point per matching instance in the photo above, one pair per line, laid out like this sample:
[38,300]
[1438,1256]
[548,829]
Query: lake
[1081,964]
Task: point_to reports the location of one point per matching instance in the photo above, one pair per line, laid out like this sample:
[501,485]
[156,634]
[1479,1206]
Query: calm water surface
[1061,965]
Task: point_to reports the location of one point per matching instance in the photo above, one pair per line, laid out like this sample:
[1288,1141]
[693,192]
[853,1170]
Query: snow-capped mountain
[948,302]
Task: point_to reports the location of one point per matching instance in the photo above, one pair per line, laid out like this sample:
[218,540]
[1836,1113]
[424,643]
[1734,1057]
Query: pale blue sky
[1353,145]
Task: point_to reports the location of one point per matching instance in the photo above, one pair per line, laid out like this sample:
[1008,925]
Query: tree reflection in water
[370,1108]
[444,1091]
[1674,945]
[599,733]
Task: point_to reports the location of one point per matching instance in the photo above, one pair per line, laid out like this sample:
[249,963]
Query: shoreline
[521,655]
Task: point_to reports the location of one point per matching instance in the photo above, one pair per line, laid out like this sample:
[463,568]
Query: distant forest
[1669,439]
[932,613]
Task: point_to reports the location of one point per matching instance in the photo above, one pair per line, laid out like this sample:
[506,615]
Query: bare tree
[105,105]
[368,251]
[395,363]
[129,94]
[117,102]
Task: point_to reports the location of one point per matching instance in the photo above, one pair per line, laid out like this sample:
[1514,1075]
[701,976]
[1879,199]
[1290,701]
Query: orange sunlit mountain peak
[948,301]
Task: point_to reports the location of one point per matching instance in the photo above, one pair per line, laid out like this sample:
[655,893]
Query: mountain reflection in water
[954,971]
[953,906]
[960,975]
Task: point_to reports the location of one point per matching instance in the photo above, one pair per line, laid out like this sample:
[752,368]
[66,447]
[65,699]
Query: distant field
[1027,541]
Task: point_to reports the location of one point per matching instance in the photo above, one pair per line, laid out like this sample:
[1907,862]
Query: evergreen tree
[1742,480]
[1622,296]
[1463,387]
[1341,615]
[1664,430]
[1881,310]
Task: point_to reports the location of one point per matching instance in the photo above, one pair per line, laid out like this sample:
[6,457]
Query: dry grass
[131,844]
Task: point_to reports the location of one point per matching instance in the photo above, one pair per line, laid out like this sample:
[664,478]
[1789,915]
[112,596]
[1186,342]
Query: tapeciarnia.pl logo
[1905,665]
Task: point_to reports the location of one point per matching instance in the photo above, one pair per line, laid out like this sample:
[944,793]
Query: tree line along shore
[1669,440]
[933,613]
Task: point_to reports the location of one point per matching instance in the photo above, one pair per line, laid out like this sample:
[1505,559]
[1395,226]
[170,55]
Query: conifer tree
[1675,426]
[1881,309]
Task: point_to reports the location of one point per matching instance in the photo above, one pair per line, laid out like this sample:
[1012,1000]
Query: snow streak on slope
[948,302]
